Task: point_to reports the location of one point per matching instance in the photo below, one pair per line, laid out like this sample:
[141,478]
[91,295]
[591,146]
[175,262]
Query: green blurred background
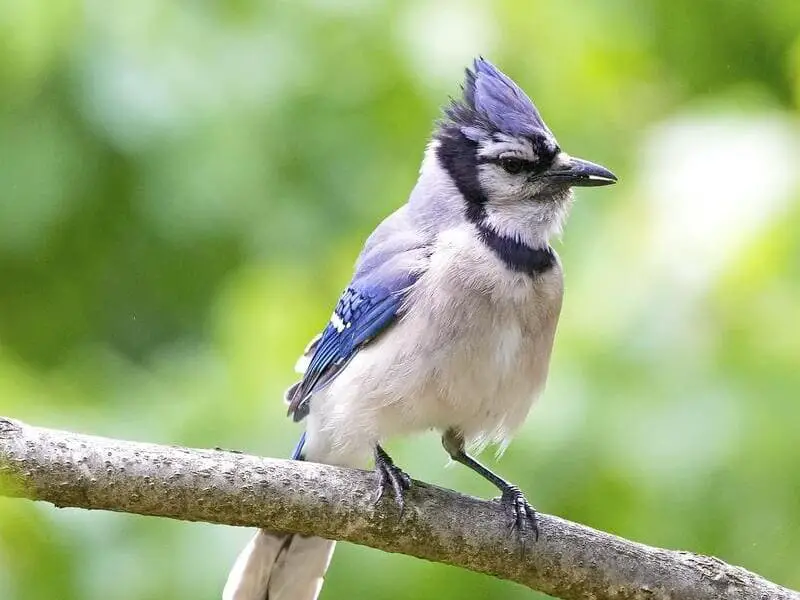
[184,187]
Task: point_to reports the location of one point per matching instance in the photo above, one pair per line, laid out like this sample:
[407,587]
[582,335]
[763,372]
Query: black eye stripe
[517,165]
[493,160]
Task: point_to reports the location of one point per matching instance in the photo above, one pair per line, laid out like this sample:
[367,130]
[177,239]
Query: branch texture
[568,561]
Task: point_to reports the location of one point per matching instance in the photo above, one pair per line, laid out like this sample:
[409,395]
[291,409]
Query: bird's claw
[391,477]
[523,515]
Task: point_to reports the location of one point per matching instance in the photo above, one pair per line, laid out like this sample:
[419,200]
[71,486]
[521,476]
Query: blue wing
[359,316]
[391,262]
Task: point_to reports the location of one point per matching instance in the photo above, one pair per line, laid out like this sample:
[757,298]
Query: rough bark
[569,561]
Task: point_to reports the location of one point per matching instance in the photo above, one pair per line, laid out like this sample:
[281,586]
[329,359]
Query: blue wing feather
[391,262]
[360,315]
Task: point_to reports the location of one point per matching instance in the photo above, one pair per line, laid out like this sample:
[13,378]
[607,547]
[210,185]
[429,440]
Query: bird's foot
[391,477]
[523,515]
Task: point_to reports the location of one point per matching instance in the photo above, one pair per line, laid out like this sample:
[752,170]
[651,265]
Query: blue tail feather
[298,449]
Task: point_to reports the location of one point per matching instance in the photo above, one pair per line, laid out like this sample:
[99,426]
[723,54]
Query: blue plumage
[360,315]
[494,103]
[297,453]
[370,304]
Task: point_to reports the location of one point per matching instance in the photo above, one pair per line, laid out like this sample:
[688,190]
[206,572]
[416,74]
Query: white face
[520,204]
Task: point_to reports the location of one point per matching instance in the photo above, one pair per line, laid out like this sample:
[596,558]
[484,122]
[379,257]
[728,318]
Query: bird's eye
[512,165]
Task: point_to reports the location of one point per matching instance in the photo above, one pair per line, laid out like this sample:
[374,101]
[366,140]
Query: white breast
[471,352]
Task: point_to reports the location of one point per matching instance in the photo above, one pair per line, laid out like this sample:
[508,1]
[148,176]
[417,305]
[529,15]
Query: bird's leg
[390,476]
[523,515]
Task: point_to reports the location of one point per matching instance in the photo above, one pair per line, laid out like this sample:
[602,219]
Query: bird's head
[505,161]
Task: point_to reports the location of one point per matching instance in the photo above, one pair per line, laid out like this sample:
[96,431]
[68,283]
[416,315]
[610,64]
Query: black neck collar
[516,255]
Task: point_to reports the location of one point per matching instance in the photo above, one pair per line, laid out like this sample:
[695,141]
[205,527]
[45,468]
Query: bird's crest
[492,103]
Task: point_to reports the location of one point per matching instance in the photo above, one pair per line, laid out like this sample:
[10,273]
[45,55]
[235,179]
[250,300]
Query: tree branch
[568,561]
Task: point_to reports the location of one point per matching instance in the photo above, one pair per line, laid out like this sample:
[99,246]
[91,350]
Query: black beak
[578,172]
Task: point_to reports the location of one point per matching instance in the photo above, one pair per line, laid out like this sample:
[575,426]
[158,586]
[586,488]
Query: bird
[447,324]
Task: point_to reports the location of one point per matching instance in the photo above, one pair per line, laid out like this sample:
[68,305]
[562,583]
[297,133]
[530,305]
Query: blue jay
[447,323]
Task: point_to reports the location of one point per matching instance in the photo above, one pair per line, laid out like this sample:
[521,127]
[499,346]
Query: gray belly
[481,366]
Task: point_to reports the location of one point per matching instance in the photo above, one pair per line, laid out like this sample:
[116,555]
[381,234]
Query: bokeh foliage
[184,187]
